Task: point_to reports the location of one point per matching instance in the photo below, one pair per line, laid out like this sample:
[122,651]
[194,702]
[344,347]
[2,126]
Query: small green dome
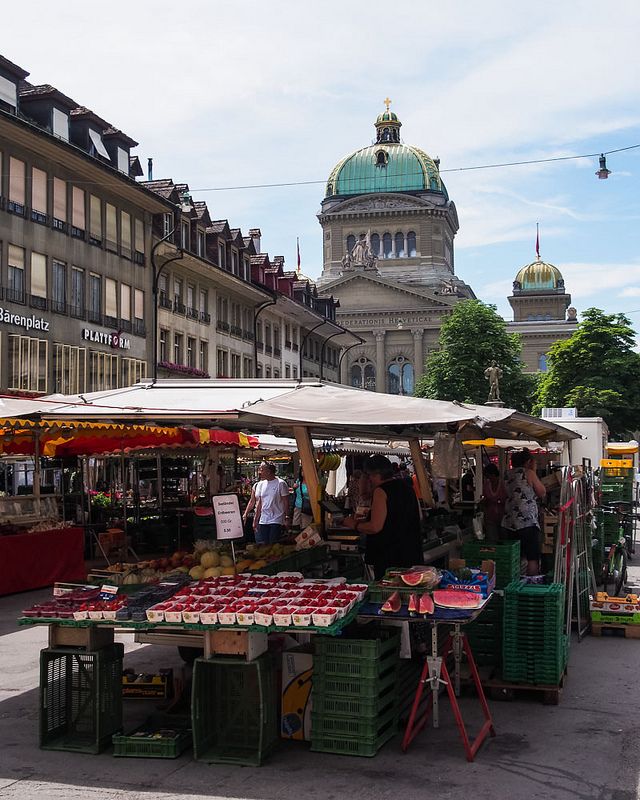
[539,276]
[387,116]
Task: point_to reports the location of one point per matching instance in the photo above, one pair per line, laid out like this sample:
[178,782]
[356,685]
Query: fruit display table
[35,560]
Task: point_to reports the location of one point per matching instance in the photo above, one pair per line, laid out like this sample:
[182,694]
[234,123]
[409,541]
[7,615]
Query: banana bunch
[328,461]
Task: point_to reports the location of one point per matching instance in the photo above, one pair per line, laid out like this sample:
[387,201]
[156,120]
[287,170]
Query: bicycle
[614,567]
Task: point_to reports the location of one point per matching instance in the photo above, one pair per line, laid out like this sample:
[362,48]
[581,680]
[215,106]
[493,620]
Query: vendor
[393,528]
[520,520]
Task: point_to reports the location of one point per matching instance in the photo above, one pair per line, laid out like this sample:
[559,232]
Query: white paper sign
[228,518]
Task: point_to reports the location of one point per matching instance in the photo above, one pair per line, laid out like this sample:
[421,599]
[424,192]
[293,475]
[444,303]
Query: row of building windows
[47,283]
[74,369]
[399,245]
[187,351]
[312,349]
[70,209]
[400,378]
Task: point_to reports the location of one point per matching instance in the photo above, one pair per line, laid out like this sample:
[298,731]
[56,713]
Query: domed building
[542,311]
[388,256]
[389,226]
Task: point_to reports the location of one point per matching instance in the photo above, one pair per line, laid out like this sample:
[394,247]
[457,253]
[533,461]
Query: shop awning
[74,438]
[325,409]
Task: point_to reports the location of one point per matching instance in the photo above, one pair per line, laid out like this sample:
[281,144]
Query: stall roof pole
[309,469]
[421,472]
[36,472]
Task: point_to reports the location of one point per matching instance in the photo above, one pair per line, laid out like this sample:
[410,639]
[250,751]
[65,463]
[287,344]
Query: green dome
[385,167]
[386,116]
[539,276]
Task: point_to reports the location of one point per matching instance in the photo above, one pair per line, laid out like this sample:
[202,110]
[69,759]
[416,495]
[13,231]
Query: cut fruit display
[413,604]
[393,604]
[455,599]
[427,605]
[424,577]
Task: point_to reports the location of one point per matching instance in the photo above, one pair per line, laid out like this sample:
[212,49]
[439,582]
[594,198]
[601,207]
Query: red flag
[298,249]
[537,241]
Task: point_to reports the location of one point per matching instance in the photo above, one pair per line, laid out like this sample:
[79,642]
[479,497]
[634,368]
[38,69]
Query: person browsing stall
[272,505]
[393,528]
[520,520]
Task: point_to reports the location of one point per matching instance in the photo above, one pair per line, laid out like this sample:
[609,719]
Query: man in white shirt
[272,505]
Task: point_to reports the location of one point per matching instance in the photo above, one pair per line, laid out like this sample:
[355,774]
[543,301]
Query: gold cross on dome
[387,103]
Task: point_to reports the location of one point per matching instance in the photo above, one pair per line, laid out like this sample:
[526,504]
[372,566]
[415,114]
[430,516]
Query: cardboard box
[309,537]
[484,586]
[297,677]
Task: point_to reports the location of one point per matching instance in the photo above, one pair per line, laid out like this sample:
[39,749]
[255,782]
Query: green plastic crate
[368,642]
[506,555]
[354,687]
[234,710]
[333,666]
[359,727]
[353,746]
[175,739]
[617,619]
[80,698]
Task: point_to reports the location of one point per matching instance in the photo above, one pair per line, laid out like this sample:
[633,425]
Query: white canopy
[279,406]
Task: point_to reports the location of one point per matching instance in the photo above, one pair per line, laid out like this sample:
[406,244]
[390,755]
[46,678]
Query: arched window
[375,244]
[363,374]
[400,376]
[386,245]
[542,362]
[351,241]
[411,244]
[382,158]
[400,251]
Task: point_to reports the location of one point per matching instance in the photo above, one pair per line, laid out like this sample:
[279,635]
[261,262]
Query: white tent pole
[421,472]
[309,469]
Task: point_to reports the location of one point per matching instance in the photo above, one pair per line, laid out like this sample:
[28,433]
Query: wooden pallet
[499,689]
[628,631]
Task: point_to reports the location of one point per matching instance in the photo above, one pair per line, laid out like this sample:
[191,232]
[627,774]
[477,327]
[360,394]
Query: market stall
[354,674]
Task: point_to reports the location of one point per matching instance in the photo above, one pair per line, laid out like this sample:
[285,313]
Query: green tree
[471,338]
[597,371]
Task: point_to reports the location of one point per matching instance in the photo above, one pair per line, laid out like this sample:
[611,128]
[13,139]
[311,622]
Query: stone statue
[493,374]
[572,314]
[361,255]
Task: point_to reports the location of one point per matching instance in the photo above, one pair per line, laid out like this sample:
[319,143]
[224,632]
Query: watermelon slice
[393,604]
[426,604]
[454,599]
[413,604]
[421,576]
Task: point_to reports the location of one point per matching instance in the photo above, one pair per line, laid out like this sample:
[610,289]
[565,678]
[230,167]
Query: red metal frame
[416,723]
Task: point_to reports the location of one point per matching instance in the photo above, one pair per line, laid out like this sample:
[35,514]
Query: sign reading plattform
[115,340]
[31,323]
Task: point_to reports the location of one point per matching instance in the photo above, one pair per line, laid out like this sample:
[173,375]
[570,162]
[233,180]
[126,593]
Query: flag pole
[298,252]
[538,240]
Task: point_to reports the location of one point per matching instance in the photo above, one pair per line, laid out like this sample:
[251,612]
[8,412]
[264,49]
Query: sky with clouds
[228,93]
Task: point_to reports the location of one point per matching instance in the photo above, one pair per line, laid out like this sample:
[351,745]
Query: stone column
[418,355]
[381,372]
[344,368]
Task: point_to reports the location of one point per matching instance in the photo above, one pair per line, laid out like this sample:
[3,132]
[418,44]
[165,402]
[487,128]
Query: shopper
[494,498]
[272,505]
[302,511]
[393,528]
[520,520]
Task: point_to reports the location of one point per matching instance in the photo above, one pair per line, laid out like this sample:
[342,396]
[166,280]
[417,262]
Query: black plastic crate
[80,698]
[234,707]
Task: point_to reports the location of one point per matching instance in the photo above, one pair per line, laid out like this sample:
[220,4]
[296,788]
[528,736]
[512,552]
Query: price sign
[228,518]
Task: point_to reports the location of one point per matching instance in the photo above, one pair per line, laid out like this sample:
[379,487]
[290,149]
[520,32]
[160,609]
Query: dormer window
[123,160]
[184,236]
[8,94]
[201,243]
[98,144]
[382,158]
[60,124]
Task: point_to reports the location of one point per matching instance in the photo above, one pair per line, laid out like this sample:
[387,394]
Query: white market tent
[301,409]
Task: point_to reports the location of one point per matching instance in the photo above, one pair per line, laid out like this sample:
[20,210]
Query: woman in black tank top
[393,530]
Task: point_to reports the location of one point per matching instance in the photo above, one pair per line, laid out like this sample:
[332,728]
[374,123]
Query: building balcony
[15,295]
[77,311]
[38,302]
[77,233]
[164,302]
[247,336]
[205,317]
[139,327]
[179,307]
[236,330]
[110,322]
[222,326]
[59,306]
[94,316]
[295,347]
[192,313]
[139,258]
[39,217]
[277,351]
[268,349]
[16,208]
[287,345]
[126,326]
[59,225]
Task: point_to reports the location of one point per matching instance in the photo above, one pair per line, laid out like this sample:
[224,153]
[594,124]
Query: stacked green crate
[608,527]
[535,646]
[355,698]
[485,634]
[234,710]
[616,483]
[506,555]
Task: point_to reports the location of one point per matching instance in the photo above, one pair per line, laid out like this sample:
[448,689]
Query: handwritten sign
[228,517]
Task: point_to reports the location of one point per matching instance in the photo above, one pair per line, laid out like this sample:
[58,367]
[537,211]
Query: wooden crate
[90,638]
[628,631]
[246,644]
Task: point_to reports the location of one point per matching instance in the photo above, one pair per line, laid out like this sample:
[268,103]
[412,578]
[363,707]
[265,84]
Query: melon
[456,599]
[212,572]
[421,576]
[427,605]
[231,570]
[197,573]
[210,558]
[414,578]
[393,604]
[413,604]
[226,561]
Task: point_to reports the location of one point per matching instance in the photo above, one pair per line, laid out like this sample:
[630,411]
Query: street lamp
[185,207]
[603,173]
